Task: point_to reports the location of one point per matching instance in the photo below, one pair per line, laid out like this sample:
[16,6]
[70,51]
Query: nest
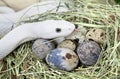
[22,64]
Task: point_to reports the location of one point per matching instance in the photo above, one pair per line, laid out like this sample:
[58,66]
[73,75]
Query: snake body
[6,10]
[8,20]
[46,29]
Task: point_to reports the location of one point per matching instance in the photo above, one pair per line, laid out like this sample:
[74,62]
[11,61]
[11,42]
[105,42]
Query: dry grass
[22,64]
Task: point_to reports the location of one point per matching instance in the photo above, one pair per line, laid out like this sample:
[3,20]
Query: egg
[79,34]
[62,58]
[42,47]
[67,44]
[97,35]
[88,52]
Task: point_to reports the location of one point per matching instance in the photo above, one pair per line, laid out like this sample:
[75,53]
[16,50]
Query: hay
[22,64]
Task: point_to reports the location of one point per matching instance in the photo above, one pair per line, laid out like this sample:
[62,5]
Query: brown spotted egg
[67,44]
[42,47]
[97,35]
[62,58]
[79,34]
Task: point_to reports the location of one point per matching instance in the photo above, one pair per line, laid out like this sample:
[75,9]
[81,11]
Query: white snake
[8,20]
[6,10]
[46,29]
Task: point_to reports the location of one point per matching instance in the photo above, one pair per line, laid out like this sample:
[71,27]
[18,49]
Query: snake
[47,29]
[4,9]
[8,21]
[11,36]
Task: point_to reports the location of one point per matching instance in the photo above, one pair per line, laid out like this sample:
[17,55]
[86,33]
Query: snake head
[58,28]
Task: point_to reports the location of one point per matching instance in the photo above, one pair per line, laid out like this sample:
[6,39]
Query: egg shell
[88,52]
[42,47]
[62,58]
[97,35]
[67,44]
[79,34]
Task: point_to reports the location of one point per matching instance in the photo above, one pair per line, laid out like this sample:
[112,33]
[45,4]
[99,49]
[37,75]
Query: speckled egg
[97,35]
[88,52]
[62,58]
[79,34]
[67,44]
[42,47]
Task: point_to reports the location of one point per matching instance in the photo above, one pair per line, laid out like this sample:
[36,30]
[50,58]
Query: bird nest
[22,64]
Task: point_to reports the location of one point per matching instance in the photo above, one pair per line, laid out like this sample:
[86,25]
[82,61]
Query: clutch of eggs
[64,56]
